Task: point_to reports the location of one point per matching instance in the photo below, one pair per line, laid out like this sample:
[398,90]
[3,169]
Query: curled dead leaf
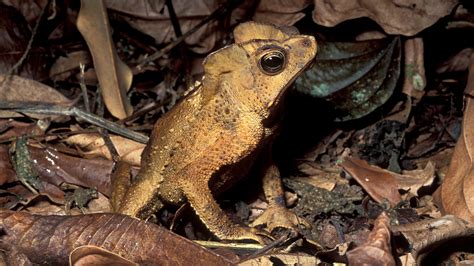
[394,16]
[456,194]
[18,89]
[377,250]
[115,77]
[50,239]
[130,151]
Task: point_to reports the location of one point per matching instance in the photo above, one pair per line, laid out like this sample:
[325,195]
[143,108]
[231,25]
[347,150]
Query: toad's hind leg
[194,183]
[277,215]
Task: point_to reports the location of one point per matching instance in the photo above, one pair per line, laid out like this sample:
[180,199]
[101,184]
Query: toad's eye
[273,62]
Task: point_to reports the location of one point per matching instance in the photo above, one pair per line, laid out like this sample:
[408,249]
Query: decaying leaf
[64,65]
[379,185]
[92,255]
[115,77]
[18,89]
[280,12]
[424,236]
[382,184]
[394,16]
[377,250]
[457,191]
[356,78]
[130,151]
[148,16]
[415,79]
[14,36]
[7,174]
[50,239]
[282,259]
[57,168]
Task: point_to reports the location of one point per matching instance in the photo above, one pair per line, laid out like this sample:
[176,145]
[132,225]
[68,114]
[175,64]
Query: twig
[48,109]
[82,84]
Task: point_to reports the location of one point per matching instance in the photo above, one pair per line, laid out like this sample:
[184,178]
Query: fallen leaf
[356,78]
[426,235]
[129,151]
[18,89]
[14,37]
[377,250]
[64,66]
[456,194]
[415,80]
[7,174]
[282,259]
[457,62]
[280,12]
[380,185]
[394,16]
[148,16]
[115,77]
[57,168]
[12,128]
[93,255]
[50,239]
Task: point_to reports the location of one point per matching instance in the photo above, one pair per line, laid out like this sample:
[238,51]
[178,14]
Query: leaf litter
[374,184]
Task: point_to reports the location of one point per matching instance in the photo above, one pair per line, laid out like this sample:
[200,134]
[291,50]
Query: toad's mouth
[274,104]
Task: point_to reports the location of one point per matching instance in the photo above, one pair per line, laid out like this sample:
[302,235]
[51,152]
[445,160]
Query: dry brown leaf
[415,79]
[57,168]
[149,16]
[93,255]
[14,36]
[115,77]
[12,128]
[281,259]
[377,250]
[380,185]
[424,236]
[50,239]
[18,89]
[7,174]
[280,12]
[411,180]
[457,191]
[130,151]
[65,65]
[394,16]
[457,62]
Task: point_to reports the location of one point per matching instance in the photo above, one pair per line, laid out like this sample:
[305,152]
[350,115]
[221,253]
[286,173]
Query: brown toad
[202,144]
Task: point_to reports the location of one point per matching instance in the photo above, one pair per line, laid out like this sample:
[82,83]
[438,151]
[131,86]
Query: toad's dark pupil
[272,63]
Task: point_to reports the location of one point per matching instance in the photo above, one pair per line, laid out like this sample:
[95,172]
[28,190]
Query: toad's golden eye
[273,62]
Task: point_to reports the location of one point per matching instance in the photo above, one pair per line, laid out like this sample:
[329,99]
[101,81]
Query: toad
[208,140]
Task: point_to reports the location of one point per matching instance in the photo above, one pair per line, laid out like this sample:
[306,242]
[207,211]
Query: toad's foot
[277,216]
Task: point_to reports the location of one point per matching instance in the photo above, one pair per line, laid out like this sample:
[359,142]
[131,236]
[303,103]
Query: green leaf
[356,78]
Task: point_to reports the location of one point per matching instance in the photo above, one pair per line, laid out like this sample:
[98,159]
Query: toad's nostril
[306,43]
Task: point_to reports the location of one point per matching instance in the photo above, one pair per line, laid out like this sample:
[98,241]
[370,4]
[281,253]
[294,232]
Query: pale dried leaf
[457,191]
[115,77]
[394,16]
[93,144]
[148,16]
[283,259]
[377,250]
[415,78]
[93,255]
[64,65]
[380,185]
[281,12]
[18,89]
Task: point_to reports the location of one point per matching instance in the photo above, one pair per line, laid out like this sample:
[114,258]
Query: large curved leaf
[356,78]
